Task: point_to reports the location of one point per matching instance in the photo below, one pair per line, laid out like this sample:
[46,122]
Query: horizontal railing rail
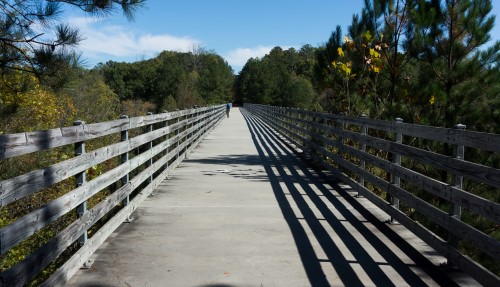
[160,143]
[382,162]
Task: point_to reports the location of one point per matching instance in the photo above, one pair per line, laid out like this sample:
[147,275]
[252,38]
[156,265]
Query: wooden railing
[159,144]
[386,162]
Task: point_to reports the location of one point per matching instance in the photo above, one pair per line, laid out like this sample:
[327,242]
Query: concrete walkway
[243,210]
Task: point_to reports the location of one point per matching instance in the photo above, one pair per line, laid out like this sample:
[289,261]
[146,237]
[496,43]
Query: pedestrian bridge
[262,198]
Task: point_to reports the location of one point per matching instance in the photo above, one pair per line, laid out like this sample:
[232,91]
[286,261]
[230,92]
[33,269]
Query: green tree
[188,94]
[252,84]
[324,57]
[93,99]
[396,16]
[170,69]
[282,78]
[300,92]
[216,79]
[169,104]
[446,38]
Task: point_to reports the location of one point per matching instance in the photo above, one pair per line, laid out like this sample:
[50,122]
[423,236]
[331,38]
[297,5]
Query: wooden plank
[24,143]
[473,171]
[9,143]
[473,139]
[96,130]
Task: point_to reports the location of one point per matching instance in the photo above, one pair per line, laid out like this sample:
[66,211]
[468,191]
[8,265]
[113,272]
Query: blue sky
[234,29]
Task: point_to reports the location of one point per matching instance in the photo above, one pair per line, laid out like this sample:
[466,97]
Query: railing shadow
[309,190]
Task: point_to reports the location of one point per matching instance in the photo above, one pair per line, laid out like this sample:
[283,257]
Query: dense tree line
[172,79]
[424,61]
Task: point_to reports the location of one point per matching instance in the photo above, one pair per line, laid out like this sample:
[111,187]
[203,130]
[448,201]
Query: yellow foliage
[340,51]
[346,68]
[27,106]
[374,53]
[432,100]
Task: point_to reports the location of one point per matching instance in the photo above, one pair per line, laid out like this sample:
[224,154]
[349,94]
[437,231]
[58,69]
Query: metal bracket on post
[397,161]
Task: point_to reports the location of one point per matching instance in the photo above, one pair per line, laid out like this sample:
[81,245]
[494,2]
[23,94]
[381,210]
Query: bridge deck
[244,210]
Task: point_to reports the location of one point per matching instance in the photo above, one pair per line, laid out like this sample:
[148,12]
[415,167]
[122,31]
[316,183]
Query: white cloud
[103,42]
[239,57]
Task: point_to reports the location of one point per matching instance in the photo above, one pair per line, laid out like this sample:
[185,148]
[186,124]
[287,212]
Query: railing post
[273,114]
[123,159]
[193,118]
[192,133]
[362,148]
[456,209]
[177,133]
[165,139]
[308,135]
[397,161]
[304,125]
[288,114]
[300,122]
[340,151]
[186,132]
[321,122]
[283,117]
[80,180]
[149,128]
[313,131]
[196,120]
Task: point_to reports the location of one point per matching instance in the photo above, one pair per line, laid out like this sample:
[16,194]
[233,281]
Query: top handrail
[468,138]
[12,145]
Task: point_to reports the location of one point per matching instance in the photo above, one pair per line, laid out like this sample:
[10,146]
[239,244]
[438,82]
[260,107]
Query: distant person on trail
[228,108]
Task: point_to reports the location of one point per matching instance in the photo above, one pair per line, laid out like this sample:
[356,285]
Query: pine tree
[26,26]
[447,35]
